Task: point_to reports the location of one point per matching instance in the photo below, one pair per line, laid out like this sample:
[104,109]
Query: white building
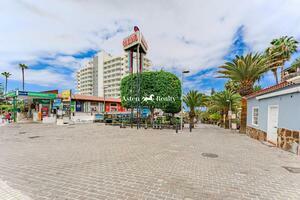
[103,74]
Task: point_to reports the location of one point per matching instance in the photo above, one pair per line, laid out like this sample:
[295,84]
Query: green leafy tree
[193,99]
[279,52]
[245,71]
[23,67]
[6,75]
[161,89]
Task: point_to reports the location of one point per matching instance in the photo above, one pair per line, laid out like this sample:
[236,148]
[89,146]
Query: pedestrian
[7,116]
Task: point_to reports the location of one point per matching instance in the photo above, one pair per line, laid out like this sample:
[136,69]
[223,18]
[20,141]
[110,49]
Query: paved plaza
[94,161]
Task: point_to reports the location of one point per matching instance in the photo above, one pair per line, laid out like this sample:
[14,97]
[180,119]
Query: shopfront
[93,104]
[31,106]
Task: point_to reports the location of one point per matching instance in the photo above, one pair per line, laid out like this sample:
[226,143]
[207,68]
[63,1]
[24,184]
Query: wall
[99,67]
[289,111]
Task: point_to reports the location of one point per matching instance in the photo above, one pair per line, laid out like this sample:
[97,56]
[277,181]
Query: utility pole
[181,120]
[138,86]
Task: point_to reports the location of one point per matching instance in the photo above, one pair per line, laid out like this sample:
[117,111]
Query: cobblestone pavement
[93,161]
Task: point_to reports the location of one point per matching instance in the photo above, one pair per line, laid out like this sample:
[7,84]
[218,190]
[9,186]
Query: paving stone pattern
[93,161]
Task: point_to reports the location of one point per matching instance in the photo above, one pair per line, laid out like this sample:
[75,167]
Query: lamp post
[181,120]
[104,110]
[229,113]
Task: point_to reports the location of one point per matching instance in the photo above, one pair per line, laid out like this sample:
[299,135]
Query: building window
[255,116]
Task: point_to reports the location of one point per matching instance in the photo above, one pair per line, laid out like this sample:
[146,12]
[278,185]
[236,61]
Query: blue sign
[22,93]
[145,112]
[99,117]
[78,106]
[56,103]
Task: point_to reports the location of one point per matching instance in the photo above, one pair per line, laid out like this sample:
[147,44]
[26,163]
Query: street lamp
[181,120]
[105,87]
[229,113]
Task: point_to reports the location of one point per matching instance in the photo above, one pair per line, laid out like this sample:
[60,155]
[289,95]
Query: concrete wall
[99,67]
[289,111]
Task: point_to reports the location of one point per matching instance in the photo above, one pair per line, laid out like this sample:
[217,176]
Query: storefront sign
[43,101]
[135,39]
[56,103]
[41,95]
[22,93]
[11,94]
[131,40]
[66,95]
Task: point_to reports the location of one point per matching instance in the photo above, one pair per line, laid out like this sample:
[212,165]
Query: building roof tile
[269,89]
[93,98]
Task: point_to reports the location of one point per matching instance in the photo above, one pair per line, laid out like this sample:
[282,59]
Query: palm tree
[245,71]
[296,64]
[193,99]
[23,67]
[6,75]
[222,101]
[279,52]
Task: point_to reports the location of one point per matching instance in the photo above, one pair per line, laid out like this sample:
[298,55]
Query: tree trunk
[243,116]
[281,73]
[226,120]
[23,77]
[275,75]
[172,119]
[192,121]
[5,85]
[151,115]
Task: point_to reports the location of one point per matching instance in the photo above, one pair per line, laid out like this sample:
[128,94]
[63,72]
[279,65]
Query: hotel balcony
[292,75]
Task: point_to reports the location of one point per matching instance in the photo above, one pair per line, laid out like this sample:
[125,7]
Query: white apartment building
[103,74]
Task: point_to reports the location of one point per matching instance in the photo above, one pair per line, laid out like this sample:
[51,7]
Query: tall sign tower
[136,44]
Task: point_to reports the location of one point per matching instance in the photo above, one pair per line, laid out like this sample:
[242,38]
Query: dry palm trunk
[275,74]
[243,116]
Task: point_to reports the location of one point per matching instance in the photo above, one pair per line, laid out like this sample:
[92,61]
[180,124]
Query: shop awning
[29,94]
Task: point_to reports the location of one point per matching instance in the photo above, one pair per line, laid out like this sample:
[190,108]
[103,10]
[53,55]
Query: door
[272,123]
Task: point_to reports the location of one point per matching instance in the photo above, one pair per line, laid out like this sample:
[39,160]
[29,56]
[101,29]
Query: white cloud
[181,34]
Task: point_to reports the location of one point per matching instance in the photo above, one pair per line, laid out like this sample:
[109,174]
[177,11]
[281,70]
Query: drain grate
[23,132]
[295,170]
[33,137]
[209,155]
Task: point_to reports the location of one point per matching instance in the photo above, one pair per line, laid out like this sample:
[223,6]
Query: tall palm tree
[23,67]
[6,75]
[279,52]
[193,99]
[245,71]
[222,101]
[296,64]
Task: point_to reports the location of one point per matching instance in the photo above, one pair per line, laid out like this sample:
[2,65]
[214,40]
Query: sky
[54,37]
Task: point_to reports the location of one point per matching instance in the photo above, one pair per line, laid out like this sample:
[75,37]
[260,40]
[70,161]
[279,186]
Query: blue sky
[54,38]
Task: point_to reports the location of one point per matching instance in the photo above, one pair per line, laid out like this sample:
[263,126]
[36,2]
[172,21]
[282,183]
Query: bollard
[190,127]
[176,128]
